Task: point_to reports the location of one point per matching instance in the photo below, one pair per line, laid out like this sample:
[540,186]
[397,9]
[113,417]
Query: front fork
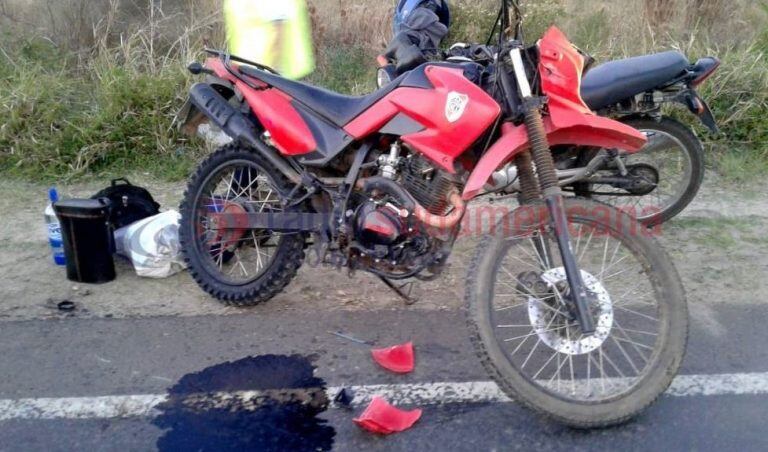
[579,293]
[548,186]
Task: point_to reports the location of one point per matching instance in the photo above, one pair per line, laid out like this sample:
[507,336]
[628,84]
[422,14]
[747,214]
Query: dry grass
[92,85]
[613,28]
[83,24]
[352,23]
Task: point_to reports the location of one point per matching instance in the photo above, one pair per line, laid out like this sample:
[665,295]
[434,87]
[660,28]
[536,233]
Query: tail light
[703,69]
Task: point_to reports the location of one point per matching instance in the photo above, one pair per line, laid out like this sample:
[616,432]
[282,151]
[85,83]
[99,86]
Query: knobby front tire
[531,345]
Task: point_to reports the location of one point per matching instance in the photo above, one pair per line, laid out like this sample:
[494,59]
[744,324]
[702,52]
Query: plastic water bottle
[54,229]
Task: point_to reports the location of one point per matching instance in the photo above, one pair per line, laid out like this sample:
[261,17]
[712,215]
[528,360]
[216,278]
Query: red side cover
[290,133]
[442,140]
[398,358]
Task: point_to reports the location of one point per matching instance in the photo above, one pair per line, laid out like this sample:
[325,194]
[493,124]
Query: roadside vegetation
[91,87]
[722,233]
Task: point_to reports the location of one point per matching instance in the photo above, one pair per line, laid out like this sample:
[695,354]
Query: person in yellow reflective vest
[275,33]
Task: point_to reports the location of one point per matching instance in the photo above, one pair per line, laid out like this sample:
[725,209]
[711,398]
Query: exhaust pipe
[383,184]
[447,221]
[236,125]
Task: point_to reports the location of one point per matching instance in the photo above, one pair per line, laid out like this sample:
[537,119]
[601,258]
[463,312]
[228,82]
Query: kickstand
[401,290]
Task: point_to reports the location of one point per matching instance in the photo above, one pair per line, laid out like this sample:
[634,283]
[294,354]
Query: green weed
[349,70]
[741,165]
[723,233]
[108,109]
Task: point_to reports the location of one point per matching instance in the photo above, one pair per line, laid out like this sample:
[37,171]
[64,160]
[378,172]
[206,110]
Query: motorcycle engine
[428,185]
[382,233]
[378,225]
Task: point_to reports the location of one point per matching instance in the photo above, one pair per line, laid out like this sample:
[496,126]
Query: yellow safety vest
[252,33]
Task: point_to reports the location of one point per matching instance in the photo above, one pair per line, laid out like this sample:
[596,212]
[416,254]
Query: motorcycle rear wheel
[516,297]
[251,266]
[676,154]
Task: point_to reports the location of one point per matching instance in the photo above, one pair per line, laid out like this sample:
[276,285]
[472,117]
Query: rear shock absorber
[553,195]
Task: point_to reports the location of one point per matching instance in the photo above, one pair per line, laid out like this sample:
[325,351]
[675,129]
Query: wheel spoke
[238,257]
[535,325]
[545,365]
[619,273]
[527,264]
[537,258]
[506,308]
[610,361]
[636,346]
[535,333]
[636,313]
[538,341]
[586,245]
[626,355]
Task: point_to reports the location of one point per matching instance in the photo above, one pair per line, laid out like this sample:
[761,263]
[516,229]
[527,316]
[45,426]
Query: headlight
[383,77]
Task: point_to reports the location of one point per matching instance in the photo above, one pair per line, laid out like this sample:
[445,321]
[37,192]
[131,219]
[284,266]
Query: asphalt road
[88,358]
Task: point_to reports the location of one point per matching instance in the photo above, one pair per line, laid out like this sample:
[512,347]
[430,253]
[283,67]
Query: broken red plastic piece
[382,418]
[398,359]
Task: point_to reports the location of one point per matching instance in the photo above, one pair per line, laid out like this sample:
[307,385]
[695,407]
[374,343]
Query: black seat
[615,81]
[337,108]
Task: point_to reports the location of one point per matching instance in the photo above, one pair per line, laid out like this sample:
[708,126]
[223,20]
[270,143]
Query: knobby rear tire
[288,257]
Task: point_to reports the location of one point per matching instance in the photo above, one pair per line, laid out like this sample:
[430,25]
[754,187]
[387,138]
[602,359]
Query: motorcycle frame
[425,102]
[567,121]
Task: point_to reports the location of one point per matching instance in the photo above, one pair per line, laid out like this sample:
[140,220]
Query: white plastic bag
[152,245]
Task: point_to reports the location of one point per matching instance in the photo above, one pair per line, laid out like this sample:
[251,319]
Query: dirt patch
[719,246]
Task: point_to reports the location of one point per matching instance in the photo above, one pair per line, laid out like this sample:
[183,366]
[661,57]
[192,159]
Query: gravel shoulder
[719,244]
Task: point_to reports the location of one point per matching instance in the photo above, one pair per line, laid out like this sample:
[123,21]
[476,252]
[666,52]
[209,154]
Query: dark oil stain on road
[286,418]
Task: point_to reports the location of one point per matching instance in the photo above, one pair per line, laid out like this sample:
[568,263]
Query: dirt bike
[655,184]
[574,310]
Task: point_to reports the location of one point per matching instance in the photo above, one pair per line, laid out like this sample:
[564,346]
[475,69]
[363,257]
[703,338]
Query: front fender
[573,128]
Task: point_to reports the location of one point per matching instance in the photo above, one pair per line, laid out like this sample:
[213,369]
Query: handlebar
[228,57]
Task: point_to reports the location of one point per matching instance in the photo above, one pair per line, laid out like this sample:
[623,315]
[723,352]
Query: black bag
[129,203]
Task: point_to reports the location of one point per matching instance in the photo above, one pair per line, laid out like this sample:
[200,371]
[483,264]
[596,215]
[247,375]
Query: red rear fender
[290,133]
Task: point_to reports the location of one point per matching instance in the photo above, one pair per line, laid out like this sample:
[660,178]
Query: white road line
[420,394]
[428,393]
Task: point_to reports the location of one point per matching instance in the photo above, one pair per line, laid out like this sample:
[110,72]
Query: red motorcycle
[655,184]
[574,310]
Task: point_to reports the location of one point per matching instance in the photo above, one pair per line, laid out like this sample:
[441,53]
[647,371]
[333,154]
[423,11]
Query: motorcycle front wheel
[525,331]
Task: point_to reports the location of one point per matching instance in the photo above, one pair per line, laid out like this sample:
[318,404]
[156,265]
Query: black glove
[405,53]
